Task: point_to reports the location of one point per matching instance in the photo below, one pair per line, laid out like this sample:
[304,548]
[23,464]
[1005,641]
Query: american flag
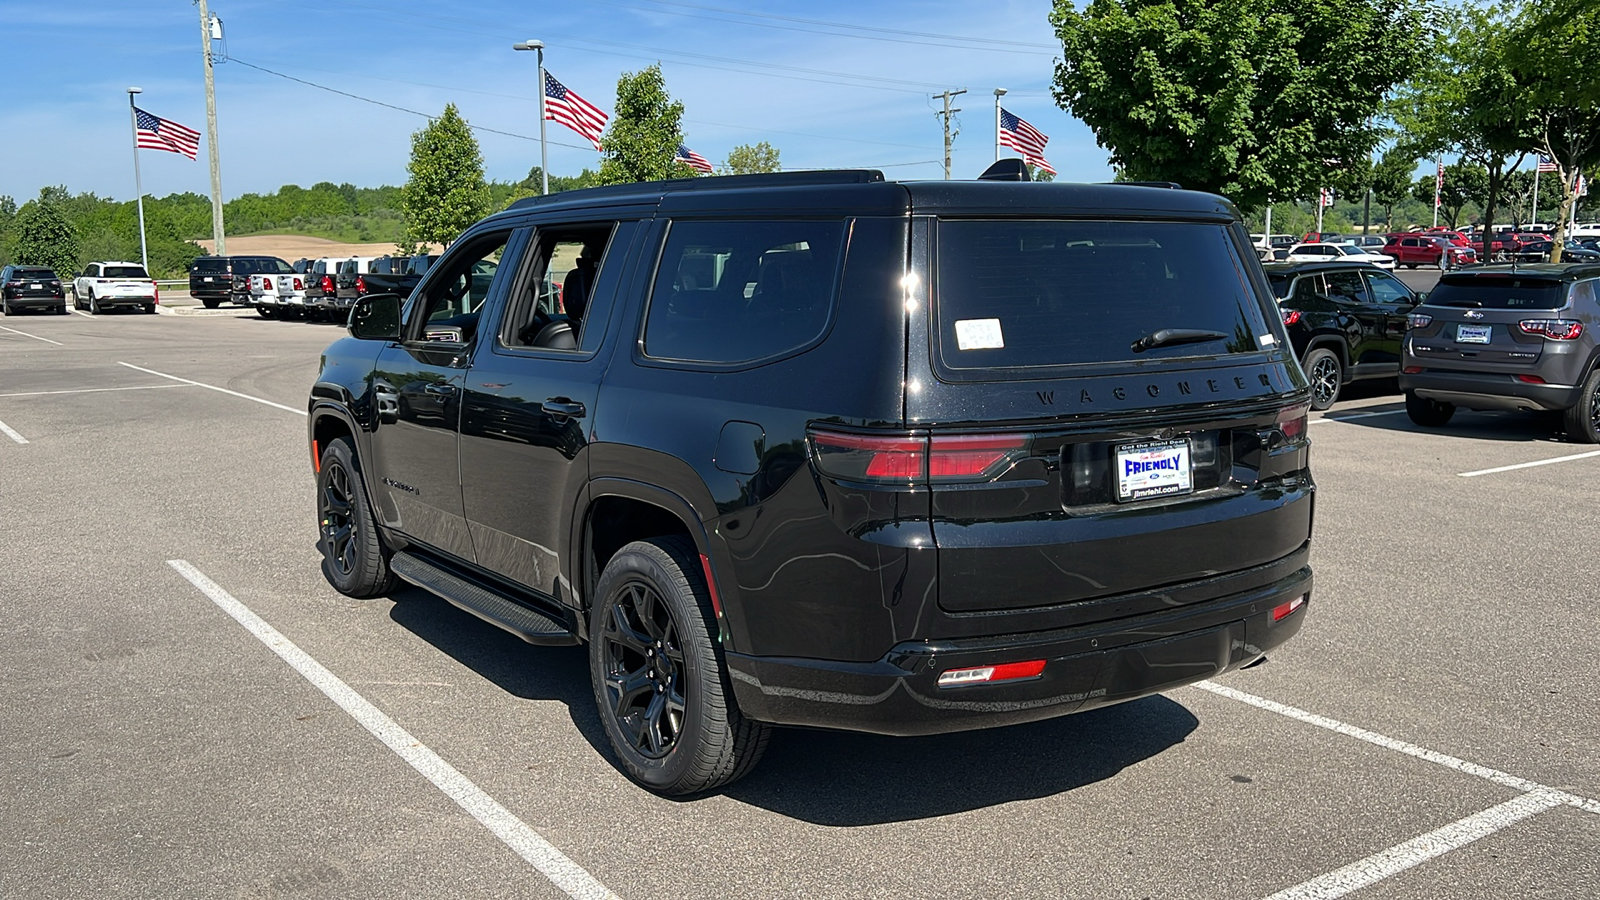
[569,109]
[696,161]
[1025,139]
[156,133]
[1546,164]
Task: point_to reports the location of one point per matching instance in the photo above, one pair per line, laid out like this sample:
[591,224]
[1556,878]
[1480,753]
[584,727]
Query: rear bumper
[37,301]
[1086,667]
[1482,390]
[126,300]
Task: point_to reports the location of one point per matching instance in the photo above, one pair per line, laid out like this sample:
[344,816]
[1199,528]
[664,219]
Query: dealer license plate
[1153,469]
[209,278]
[35,286]
[1473,334]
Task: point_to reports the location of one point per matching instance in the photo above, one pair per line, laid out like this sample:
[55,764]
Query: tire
[62,310]
[1582,421]
[5,309]
[652,638]
[1411,265]
[354,559]
[1428,413]
[210,302]
[1326,374]
[264,312]
[94,305]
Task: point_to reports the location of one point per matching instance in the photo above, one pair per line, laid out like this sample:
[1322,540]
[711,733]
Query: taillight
[361,284]
[1283,610]
[909,459]
[1418,320]
[1531,379]
[299,285]
[1016,671]
[327,285]
[1291,316]
[1554,329]
[1292,422]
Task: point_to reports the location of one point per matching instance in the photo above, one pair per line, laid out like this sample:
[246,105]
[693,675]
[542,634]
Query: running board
[492,606]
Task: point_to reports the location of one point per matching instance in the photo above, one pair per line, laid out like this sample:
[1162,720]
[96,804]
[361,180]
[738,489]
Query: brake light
[1412,370]
[1554,329]
[1282,611]
[361,284]
[908,459]
[1418,320]
[1292,421]
[1530,379]
[298,284]
[1291,316]
[327,284]
[1017,671]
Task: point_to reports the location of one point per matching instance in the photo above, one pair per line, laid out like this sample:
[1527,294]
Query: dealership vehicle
[322,287]
[278,295]
[394,274]
[1328,252]
[348,280]
[31,287]
[1345,320]
[1508,338]
[214,280]
[105,286]
[1412,249]
[817,449]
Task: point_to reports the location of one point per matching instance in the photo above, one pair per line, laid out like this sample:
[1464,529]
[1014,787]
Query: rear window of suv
[124,272]
[1024,294]
[1494,292]
[209,266]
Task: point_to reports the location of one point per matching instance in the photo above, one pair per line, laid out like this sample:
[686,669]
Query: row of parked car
[317,289]
[101,287]
[1440,247]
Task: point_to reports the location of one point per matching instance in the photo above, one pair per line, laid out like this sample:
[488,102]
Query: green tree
[750,159]
[446,191]
[1464,183]
[645,131]
[44,236]
[1554,54]
[1254,99]
[1391,181]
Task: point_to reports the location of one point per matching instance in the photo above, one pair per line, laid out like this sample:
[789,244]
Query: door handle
[440,390]
[563,408]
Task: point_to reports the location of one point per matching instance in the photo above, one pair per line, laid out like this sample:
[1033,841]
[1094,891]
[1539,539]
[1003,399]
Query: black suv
[31,287]
[1345,319]
[214,279]
[818,449]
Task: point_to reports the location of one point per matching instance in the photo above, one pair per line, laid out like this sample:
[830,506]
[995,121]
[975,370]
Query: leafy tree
[1247,98]
[1391,181]
[645,131]
[446,191]
[44,236]
[1554,54]
[1464,183]
[749,159]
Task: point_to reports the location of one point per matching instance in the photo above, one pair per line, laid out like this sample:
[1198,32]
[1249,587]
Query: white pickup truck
[278,296]
[105,285]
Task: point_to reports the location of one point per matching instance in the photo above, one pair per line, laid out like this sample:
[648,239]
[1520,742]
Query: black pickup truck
[215,279]
[389,275]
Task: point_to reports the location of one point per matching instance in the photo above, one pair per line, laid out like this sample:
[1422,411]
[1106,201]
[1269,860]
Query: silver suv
[1507,338]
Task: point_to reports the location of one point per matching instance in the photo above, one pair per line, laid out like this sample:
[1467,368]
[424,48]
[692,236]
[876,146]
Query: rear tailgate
[1097,470]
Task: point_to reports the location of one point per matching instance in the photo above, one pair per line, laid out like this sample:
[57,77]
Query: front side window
[1387,288]
[454,297]
[732,292]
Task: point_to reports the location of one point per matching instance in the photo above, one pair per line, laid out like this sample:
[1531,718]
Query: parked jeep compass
[817,449]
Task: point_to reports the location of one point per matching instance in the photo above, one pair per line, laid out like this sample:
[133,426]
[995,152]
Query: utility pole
[948,136]
[220,248]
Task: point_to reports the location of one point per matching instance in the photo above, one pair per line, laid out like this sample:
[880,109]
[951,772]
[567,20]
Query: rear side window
[1015,294]
[731,292]
[1490,292]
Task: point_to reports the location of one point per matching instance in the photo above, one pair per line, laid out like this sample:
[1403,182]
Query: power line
[965,41]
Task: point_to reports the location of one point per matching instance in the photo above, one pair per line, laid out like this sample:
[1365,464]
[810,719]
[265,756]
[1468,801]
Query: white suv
[104,285]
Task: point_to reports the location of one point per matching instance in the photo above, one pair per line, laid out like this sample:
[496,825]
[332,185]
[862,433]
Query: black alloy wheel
[1582,421]
[1326,374]
[353,557]
[660,683]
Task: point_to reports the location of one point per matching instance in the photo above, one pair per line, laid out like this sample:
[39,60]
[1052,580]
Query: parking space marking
[1530,465]
[1384,864]
[1328,418]
[141,387]
[212,387]
[10,432]
[565,874]
[27,335]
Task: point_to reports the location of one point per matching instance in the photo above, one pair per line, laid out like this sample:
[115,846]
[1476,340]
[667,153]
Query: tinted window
[1308,288]
[1387,289]
[1280,284]
[1347,286]
[1046,293]
[209,265]
[279,267]
[1491,292]
[124,272]
[26,272]
[739,291]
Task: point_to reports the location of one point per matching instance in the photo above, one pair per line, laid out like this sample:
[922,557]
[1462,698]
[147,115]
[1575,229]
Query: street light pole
[998,93]
[138,185]
[544,152]
[211,135]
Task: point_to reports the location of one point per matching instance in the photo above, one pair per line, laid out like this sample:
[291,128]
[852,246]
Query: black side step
[491,605]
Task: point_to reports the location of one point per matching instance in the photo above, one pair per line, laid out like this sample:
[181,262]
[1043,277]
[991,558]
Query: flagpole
[1533,216]
[138,184]
[998,93]
[1438,184]
[544,152]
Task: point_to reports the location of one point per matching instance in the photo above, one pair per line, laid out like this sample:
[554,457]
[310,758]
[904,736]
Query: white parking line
[34,336]
[1418,850]
[141,387]
[552,863]
[212,387]
[1327,418]
[10,432]
[1529,465]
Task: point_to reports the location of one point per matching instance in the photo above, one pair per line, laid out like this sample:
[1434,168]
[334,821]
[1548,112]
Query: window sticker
[979,334]
[1268,340]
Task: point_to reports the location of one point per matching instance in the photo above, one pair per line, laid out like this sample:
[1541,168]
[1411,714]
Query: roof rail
[711,183]
[1172,185]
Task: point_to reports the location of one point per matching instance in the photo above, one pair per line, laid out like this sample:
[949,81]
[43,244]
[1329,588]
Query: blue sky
[745,71]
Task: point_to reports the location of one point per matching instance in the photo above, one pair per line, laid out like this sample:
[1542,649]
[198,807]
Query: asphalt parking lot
[191,711]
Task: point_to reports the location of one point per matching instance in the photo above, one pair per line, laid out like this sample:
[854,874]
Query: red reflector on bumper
[990,674]
[1282,612]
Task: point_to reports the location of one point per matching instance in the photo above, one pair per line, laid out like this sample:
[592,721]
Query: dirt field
[294,246]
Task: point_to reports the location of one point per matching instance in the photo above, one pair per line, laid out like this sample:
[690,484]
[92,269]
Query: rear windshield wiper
[1474,304]
[1169,336]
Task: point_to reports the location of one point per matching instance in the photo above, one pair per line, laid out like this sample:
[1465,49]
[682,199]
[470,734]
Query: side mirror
[375,317]
[1422,297]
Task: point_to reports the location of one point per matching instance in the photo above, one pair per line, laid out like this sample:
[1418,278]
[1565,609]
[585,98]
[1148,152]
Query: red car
[1414,249]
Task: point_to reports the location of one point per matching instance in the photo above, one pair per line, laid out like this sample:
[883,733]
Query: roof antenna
[1008,169]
